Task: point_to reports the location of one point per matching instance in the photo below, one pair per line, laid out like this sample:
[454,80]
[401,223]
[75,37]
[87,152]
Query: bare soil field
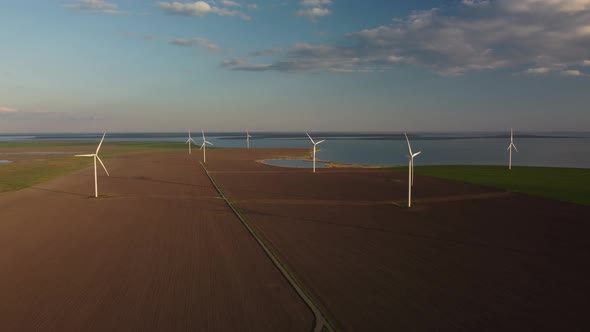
[158,252]
[466,258]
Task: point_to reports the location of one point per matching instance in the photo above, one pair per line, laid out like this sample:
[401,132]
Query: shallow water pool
[294,163]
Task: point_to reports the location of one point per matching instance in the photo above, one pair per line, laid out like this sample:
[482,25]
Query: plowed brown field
[465,258]
[160,253]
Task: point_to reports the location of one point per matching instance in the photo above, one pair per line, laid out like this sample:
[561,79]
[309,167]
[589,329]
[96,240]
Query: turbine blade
[192,140]
[407,140]
[202,145]
[203,132]
[417,153]
[188,140]
[84,155]
[515,147]
[208,142]
[320,142]
[99,144]
[311,139]
[105,169]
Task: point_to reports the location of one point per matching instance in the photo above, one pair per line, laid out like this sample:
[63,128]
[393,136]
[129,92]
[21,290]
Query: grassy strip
[15,176]
[29,170]
[564,184]
[56,146]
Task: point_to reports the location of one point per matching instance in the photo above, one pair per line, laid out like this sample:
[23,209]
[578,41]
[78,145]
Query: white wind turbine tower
[314,149]
[411,171]
[95,156]
[248,139]
[510,148]
[204,146]
[189,140]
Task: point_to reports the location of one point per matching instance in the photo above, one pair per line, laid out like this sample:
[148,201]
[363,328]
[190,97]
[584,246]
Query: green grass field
[564,184]
[29,170]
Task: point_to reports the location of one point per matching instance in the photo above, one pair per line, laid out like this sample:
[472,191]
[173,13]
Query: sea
[547,149]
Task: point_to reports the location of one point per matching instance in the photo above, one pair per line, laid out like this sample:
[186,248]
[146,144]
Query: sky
[305,65]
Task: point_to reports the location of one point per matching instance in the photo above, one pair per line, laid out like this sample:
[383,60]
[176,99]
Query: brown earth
[464,258]
[159,253]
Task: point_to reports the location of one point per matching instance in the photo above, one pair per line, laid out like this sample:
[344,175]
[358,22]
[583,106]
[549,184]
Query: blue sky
[332,65]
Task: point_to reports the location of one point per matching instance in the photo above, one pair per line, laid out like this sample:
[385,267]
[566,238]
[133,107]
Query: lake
[556,149]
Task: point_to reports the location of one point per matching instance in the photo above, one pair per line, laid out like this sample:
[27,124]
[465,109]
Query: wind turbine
[204,146]
[189,140]
[411,171]
[510,148]
[248,139]
[314,149]
[95,156]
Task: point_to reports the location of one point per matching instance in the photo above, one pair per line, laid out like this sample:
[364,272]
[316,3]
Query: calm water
[294,163]
[535,149]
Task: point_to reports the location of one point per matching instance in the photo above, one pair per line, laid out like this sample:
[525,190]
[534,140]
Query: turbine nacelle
[204,146]
[510,146]
[96,157]
[190,139]
[314,142]
[205,142]
[314,148]
[410,170]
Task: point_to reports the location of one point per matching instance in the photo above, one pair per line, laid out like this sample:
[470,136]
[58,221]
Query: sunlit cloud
[6,109]
[571,73]
[199,8]
[314,9]
[95,7]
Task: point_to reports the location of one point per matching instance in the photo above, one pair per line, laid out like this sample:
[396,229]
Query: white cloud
[538,71]
[571,73]
[474,3]
[564,6]
[199,8]
[252,6]
[229,3]
[313,13]
[233,62]
[314,9]
[195,42]
[227,12]
[315,3]
[95,7]
[6,109]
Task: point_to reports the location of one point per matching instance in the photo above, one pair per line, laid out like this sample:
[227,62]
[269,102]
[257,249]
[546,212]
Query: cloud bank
[6,109]
[534,36]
